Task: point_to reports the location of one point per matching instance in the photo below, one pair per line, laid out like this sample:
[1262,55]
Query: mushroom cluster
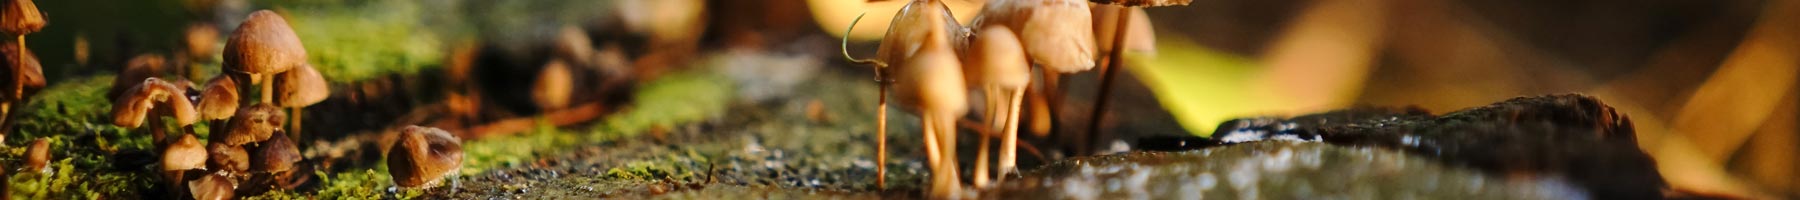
[248,143]
[932,62]
[23,76]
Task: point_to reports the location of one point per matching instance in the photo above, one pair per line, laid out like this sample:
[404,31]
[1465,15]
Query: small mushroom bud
[185,153]
[200,41]
[21,17]
[254,124]
[278,154]
[423,156]
[553,86]
[227,158]
[213,186]
[37,157]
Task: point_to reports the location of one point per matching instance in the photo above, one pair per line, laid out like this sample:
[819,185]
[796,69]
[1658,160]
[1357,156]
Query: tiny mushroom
[22,77]
[262,46]
[212,187]
[227,159]
[274,157]
[423,156]
[218,102]
[553,87]
[149,101]
[37,157]
[1056,34]
[298,88]
[255,123]
[931,84]
[907,32]
[995,62]
[182,155]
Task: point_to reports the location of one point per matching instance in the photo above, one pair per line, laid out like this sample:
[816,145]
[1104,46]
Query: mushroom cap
[184,153]
[1057,34]
[1140,37]
[300,87]
[219,100]
[228,158]
[907,31]
[263,44]
[131,108]
[554,86]
[573,44]
[932,81]
[200,41]
[255,123]
[37,157]
[213,186]
[277,154]
[996,58]
[136,70]
[423,156]
[1144,3]
[29,77]
[21,17]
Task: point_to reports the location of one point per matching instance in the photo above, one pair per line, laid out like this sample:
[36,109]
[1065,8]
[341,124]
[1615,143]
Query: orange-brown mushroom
[227,159]
[255,123]
[295,89]
[37,156]
[996,63]
[200,42]
[212,187]
[423,156]
[134,72]
[218,102]
[149,101]
[553,87]
[906,34]
[274,160]
[182,155]
[931,84]
[262,46]
[22,75]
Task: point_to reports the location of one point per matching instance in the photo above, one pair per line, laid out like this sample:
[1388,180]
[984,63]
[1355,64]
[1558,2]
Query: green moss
[368,41]
[73,116]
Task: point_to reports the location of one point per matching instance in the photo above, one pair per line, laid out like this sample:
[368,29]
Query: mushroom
[573,44]
[1128,23]
[553,87]
[1056,34]
[134,72]
[218,102]
[423,156]
[255,123]
[228,159]
[906,32]
[274,159]
[264,45]
[23,77]
[931,84]
[996,62]
[19,18]
[151,100]
[37,157]
[298,88]
[200,43]
[212,187]
[180,156]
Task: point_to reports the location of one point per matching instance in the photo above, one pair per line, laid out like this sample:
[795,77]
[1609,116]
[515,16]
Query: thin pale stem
[268,88]
[881,139]
[1009,141]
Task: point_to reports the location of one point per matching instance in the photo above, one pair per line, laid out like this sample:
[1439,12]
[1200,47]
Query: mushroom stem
[294,120]
[5,117]
[268,87]
[156,131]
[881,136]
[1113,62]
[1009,136]
[944,176]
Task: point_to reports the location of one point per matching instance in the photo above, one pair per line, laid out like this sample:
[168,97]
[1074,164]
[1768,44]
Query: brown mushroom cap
[300,87]
[212,187]
[932,81]
[254,124]
[132,108]
[37,157]
[227,158]
[219,100]
[263,44]
[996,58]
[277,154]
[553,86]
[907,31]
[31,74]
[200,41]
[21,17]
[136,70]
[423,156]
[1057,34]
[184,154]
